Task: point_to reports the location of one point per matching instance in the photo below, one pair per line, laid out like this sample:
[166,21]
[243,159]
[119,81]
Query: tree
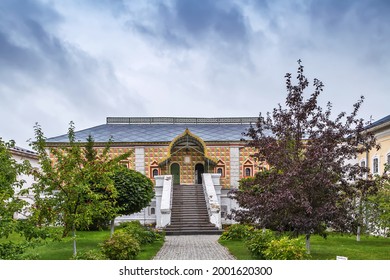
[309,184]
[135,191]
[9,186]
[378,204]
[102,164]
[72,186]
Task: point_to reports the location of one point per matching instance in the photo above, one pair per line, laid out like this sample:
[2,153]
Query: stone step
[189,212]
[194,232]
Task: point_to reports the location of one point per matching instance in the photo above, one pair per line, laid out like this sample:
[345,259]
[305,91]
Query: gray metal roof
[162,129]
[379,122]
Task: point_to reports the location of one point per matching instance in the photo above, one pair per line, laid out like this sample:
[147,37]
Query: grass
[86,241]
[369,248]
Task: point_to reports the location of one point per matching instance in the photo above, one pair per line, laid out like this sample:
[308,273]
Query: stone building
[186,148]
[19,155]
[374,159]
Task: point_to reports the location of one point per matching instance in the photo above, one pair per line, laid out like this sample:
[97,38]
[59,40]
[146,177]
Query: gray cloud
[47,79]
[83,61]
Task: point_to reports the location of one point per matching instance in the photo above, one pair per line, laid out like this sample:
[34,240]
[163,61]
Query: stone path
[193,247]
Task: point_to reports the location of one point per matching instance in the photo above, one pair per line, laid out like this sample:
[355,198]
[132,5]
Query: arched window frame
[220,167]
[247,167]
[125,163]
[375,165]
[154,168]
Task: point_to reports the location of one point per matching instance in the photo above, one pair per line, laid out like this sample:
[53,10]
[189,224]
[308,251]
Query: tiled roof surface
[157,132]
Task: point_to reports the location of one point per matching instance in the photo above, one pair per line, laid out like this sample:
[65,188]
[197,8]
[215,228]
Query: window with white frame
[388,158]
[375,165]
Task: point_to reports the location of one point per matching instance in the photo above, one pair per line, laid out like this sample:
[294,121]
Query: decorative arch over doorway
[190,153]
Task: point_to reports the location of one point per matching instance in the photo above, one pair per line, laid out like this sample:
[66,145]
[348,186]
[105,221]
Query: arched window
[388,158]
[154,169]
[220,168]
[375,165]
[248,168]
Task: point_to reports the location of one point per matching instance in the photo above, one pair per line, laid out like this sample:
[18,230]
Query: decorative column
[234,166]
[140,159]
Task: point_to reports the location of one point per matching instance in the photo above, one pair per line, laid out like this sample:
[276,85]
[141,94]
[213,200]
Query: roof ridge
[181,120]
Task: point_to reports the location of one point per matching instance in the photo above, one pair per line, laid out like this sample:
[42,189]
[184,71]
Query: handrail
[166,183]
[213,205]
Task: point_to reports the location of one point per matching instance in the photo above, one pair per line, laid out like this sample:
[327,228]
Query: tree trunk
[308,243]
[112,227]
[74,241]
[358,234]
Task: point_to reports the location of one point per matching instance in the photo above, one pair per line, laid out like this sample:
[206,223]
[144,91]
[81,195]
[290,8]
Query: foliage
[369,248]
[10,188]
[379,206]
[135,190]
[17,251]
[32,232]
[143,234]
[308,185]
[89,255]
[104,171]
[286,249]
[237,232]
[72,186]
[121,246]
[259,242]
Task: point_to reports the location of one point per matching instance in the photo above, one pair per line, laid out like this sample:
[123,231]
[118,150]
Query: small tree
[72,187]
[309,184]
[9,185]
[379,204]
[135,191]
[102,165]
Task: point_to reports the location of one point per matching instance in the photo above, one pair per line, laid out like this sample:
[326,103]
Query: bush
[286,249]
[89,255]
[259,242]
[121,246]
[237,232]
[143,234]
[12,251]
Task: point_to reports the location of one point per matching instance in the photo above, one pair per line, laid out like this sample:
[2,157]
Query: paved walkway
[193,247]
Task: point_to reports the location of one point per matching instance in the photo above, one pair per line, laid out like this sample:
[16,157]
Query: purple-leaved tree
[310,184]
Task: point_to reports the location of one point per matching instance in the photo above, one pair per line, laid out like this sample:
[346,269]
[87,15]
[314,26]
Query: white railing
[164,189]
[211,188]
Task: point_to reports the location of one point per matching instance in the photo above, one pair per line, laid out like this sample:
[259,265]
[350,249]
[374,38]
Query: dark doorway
[199,170]
[175,171]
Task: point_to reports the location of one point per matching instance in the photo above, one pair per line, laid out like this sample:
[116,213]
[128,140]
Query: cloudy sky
[86,60]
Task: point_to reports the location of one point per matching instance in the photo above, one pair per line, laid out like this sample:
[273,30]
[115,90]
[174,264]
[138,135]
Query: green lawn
[86,241]
[369,248]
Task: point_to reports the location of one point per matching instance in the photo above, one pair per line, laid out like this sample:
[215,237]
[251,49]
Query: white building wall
[234,166]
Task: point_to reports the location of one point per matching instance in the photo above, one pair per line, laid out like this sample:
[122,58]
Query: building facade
[376,160]
[185,148]
[20,155]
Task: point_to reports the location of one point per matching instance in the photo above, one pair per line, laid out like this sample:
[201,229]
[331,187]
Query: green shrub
[121,246]
[237,232]
[286,249]
[89,255]
[259,242]
[12,251]
[143,234]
